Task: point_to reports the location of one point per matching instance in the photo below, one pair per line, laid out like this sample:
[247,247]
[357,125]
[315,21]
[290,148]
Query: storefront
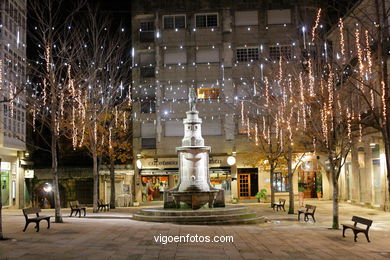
[8,183]
[123,185]
[310,179]
[160,174]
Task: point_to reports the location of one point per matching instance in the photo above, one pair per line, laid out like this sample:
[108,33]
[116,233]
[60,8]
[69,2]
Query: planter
[234,201]
[319,195]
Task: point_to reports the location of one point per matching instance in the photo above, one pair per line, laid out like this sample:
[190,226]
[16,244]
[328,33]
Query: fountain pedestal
[194,188]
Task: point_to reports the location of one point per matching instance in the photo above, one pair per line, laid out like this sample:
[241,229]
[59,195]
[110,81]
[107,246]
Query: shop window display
[222,181]
[153,187]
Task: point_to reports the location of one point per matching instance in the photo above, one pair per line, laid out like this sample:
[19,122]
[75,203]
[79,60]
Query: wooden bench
[356,230]
[102,205]
[279,205]
[310,211]
[36,220]
[76,207]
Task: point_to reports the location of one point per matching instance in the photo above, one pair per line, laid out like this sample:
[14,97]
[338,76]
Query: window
[282,16]
[174,21]
[208,91]
[147,92]
[147,26]
[207,55]
[247,54]
[147,31]
[205,93]
[280,182]
[206,20]
[172,57]
[148,143]
[284,51]
[246,18]
[147,72]
[148,107]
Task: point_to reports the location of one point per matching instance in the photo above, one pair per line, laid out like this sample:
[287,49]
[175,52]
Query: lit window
[205,93]
[280,182]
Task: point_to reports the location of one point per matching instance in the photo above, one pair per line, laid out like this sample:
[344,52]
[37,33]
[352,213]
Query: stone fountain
[184,204]
[194,188]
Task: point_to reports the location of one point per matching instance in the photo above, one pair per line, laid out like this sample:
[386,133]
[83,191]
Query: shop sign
[5,166]
[162,163]
[29,174]
[158,172]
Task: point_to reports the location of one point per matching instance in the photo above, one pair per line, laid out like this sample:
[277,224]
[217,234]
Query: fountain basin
[205,216]
[195,199]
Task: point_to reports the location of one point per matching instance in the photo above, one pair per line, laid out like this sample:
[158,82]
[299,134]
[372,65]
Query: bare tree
[55,40]
[365,32]
[106,84]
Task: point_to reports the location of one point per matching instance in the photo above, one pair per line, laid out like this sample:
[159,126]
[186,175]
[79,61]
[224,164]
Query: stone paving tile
[115,238]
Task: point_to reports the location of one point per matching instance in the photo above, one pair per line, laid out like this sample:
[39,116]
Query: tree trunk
[271,179]
[1,213]
[290,182]
[387,154]
[383,34]
[112,179]
[95,181]
[335,199]
[56,190]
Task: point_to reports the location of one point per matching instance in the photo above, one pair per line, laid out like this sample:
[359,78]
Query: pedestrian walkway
[113,235]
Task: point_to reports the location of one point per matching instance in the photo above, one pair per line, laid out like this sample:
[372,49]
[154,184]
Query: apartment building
[219,51]
[12,107]
[363,179]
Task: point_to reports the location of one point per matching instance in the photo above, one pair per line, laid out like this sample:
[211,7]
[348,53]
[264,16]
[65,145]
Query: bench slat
[28,211]
[361,220]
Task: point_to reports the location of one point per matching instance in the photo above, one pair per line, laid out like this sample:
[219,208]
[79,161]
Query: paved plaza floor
[113,235]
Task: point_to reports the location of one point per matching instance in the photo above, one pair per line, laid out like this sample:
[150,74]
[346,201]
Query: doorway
[247,183]
[310,180]
[5,188]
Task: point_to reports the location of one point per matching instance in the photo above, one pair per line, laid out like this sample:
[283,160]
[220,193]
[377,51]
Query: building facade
[12,107]
[363,179]
[217,50]
[77,184]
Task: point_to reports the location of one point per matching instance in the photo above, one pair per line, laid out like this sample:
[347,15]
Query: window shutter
[176,92]
[246,18]
[279,16]
[212,128]
[174,128]
[207,55]
[148,130]
[145,59]
[175,57]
